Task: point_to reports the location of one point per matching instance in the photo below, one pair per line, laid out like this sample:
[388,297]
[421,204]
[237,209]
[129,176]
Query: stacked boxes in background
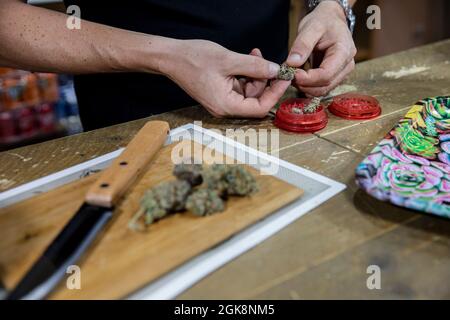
[36,105]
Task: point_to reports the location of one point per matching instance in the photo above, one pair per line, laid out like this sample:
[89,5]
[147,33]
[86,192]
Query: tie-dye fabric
[410,167]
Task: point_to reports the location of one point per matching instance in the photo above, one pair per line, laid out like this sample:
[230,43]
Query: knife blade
[79,233]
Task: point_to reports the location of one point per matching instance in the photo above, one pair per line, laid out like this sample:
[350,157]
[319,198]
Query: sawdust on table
[24,159]
[405,71]
[6,184]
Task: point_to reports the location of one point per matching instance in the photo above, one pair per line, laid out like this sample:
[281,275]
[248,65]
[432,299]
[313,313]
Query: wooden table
[325,254]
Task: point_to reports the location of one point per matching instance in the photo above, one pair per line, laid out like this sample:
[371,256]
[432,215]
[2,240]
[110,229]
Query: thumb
[252,66]
[256,52]
[303,46]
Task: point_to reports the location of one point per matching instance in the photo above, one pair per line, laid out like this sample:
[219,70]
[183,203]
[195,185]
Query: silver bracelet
[351,19]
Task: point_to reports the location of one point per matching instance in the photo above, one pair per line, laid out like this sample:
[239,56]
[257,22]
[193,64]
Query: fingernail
[294,59]
[273,69]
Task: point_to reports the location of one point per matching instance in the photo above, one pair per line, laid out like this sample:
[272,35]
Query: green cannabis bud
[165,198]
[297,110]
[313,105]
[230,180]
[214,178]
[216,182]
[191,173]
[240,182]
[204,202]
[286,72]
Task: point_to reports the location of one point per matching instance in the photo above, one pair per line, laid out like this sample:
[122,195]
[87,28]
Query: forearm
[37,39]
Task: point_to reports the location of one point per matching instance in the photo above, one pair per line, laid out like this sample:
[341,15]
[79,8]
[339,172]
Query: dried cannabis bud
[205,202]
[310,108]
[297,110]
[286,72]
[218,181]
[230,180]
[240,182]
[313,105]
[192,173]
[165,198]
[214,178]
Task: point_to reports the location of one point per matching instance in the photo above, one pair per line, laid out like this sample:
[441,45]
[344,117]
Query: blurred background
[404,24]
[35,106]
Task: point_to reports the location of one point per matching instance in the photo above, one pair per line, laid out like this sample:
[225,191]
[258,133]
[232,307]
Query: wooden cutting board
[120,260]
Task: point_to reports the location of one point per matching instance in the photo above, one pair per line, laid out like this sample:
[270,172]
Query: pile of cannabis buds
[200,190]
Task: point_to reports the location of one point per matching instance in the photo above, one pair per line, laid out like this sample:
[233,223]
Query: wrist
[172,57]
[152,54]
[345,5]
[333,7]
[167,55]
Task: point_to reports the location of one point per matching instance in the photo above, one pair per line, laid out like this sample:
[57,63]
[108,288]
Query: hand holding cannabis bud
[226,83]
[324,29]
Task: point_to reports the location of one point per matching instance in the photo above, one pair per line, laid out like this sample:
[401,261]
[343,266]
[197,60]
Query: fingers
[252,66]
[255,87]
[257,107]
[239,85]
[318,91]
[273,94]
[304,44]
[336,58]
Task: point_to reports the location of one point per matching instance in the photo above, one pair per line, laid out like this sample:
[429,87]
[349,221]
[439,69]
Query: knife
[93,215]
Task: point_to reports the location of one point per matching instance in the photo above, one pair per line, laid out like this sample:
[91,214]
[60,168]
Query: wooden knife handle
[116,179]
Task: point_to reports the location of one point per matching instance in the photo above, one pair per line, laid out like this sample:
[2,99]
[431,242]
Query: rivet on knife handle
[115,180]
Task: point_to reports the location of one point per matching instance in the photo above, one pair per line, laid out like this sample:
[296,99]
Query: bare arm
[37,39]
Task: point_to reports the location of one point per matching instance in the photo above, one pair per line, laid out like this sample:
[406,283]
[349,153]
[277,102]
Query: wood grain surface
[122,260]
[126,168]
[325,254]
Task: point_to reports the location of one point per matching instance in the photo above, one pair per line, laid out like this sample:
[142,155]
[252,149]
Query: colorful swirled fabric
[410,167]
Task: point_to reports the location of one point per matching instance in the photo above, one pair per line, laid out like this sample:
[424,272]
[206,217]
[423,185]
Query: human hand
[226,83]
[324,29]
